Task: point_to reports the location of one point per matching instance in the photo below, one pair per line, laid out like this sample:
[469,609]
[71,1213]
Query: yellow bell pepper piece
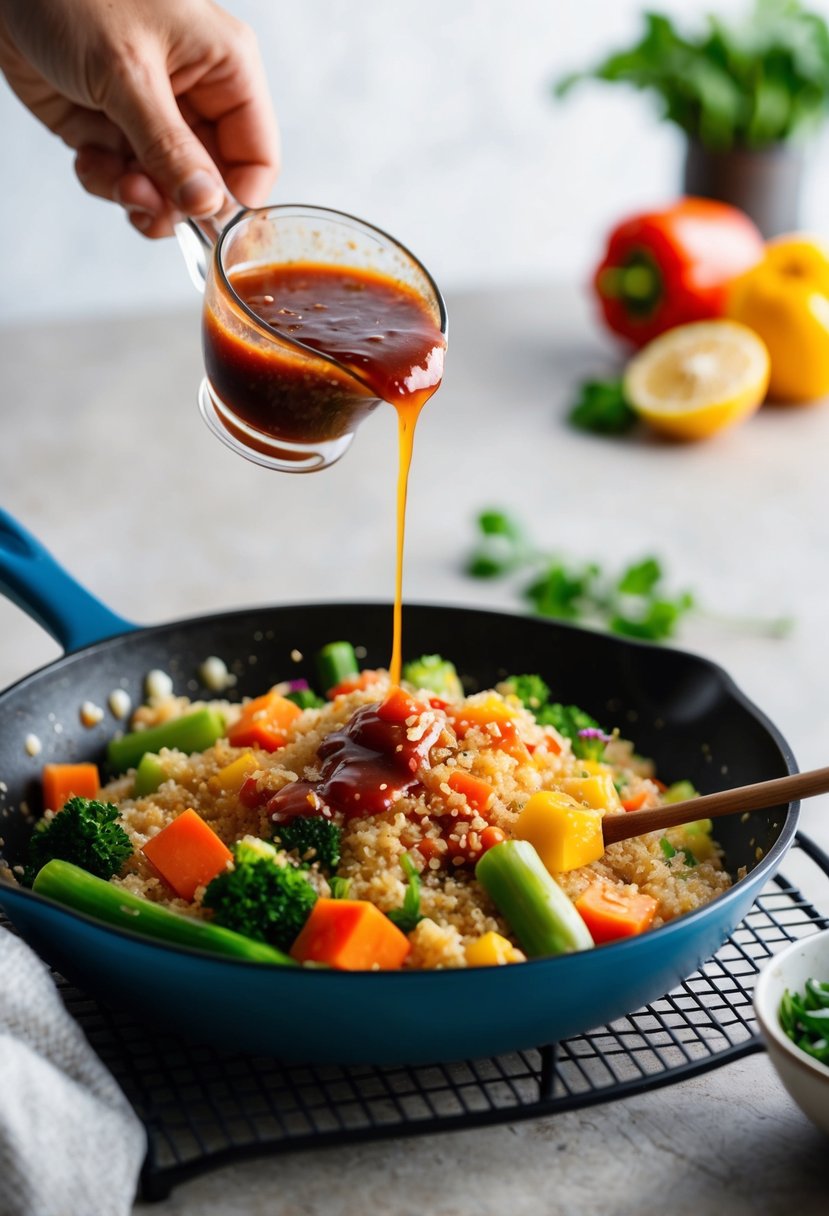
[695,836]
[565,834]
[492,950]
[597,791]
[229,780]
[785,300]
[593,767]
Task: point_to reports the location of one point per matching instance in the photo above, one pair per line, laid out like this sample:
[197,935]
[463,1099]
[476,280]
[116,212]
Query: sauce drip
[387,346]
[366,766]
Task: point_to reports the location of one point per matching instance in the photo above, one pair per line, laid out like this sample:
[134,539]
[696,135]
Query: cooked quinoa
[432,823]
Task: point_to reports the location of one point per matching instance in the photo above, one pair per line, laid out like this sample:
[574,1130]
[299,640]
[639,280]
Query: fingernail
[200,195]
[141,220]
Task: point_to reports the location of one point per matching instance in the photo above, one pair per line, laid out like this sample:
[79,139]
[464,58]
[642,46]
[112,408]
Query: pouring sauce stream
[379,340]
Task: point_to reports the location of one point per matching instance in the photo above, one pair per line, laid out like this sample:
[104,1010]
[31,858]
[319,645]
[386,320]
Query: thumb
[147,112]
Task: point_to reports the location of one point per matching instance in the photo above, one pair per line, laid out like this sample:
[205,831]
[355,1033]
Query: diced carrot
[187,854]
[553,741]
[264,722]
[495,719]
[478,793]
[354,684]
[634,803]
[398,706]
[490,837]
[429,848]
[351,935]
[610,914]
[64,781]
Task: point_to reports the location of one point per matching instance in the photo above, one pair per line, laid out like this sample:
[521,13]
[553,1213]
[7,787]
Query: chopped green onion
[407,917]
[669,851]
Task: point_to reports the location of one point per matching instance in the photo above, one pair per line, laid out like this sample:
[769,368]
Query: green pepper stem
[637,283]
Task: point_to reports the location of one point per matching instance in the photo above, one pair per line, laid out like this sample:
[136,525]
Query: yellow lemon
[698,379]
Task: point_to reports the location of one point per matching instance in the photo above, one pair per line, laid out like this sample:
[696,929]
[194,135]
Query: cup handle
[197,238]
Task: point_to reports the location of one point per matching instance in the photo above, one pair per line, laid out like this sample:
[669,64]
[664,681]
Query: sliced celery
[193,732]
[540,915]
[149,775]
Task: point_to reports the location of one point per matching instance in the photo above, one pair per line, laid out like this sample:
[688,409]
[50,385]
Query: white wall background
[430,118]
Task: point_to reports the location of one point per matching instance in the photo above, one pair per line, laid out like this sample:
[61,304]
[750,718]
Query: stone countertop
[108,462]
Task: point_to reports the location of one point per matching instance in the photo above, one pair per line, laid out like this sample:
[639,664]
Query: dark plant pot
[765,184]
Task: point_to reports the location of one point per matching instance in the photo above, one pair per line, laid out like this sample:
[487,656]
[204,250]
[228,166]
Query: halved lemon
[698,379]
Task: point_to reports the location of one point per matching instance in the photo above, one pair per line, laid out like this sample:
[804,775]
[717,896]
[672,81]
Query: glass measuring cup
[269,396]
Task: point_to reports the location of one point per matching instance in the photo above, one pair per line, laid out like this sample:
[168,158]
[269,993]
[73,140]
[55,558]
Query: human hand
[165,103]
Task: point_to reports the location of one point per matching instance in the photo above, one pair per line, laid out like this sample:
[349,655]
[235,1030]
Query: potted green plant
[746,94]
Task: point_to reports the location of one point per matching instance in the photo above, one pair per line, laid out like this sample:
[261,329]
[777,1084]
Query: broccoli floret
[261,895]
[305,698]
[434,673]
[84,832]
[531,691]
[575,724]
[312,839]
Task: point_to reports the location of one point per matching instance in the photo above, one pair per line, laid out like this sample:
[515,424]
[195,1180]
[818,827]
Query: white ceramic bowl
[806,1079]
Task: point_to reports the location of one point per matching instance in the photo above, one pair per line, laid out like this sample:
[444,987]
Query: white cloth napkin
[70,1143]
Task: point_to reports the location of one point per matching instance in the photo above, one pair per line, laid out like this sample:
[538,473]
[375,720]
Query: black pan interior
[678,708]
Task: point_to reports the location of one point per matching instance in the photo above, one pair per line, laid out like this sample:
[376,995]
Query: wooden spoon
[710,806]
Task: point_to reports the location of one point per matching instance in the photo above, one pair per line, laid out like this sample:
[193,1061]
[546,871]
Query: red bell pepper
[666,268]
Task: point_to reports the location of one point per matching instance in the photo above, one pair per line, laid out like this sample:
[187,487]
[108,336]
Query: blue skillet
[681,709]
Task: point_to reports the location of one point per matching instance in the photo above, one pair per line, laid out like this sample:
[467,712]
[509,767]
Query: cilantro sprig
[602,408]
[635,602]
[752,82]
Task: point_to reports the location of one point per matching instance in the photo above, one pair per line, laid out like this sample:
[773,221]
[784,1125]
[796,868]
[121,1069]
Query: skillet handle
[31,578]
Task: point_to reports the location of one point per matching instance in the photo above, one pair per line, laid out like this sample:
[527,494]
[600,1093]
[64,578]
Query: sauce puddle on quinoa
[383,342]
[367,765]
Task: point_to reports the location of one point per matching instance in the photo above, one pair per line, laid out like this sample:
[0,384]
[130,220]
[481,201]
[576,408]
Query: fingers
[143,106]
[111,176]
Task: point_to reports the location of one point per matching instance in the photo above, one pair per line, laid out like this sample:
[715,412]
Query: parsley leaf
[602,408]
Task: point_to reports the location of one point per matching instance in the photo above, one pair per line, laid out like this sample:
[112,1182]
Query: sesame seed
[158,684]
[214,674]
[119,703]
[91,714]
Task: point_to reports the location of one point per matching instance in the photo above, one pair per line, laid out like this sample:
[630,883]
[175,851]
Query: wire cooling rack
[203,1109]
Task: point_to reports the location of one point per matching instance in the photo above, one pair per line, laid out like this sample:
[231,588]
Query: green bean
[532,903]
[193,732]
[335,663]
[75,888]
